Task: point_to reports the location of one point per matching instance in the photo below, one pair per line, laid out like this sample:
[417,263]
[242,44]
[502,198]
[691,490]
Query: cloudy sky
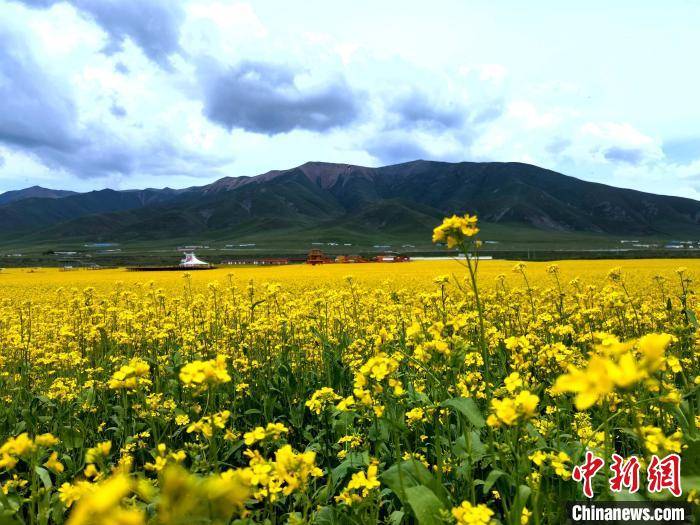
[137,93]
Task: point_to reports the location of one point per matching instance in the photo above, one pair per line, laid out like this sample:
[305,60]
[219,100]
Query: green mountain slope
[402,201]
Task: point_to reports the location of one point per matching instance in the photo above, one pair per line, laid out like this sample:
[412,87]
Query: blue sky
[137,93]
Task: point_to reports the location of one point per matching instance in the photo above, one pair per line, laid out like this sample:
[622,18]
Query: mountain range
[324,199]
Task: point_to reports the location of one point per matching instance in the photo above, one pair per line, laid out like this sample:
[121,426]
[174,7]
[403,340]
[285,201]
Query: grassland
[503,241]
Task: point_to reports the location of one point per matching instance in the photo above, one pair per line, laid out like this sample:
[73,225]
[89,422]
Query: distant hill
[403,200]
[34,191]
[33,215]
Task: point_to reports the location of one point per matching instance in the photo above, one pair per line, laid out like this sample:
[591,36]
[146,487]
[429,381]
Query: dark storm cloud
[39,3]
[682,151]
[106,154]
[36,112]
[38,117]
[416,109]
[120,67]
[558,146]
[488,113]
[264,98]
[414,115]
[632,156]
[153,25]
[117,111]
[393,149]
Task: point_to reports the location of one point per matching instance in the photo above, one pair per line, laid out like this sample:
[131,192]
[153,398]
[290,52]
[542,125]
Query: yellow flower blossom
[322,398]
[53,464]
[468,514]
[360,486]
[455,230]
[271,431]
[202,374]
[131,376]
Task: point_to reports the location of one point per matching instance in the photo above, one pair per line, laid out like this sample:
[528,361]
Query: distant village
[73,260]
[316,256]
[100,255]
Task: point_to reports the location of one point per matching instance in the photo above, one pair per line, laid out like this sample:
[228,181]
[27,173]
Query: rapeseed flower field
[463,392]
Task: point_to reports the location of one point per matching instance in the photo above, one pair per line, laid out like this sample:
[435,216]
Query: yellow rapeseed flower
[454,230]
[468,514]
[202,374]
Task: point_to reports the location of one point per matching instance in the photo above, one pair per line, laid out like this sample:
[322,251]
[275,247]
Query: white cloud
[531,116]
[347,51]
[618,133]
[221,29]
[614,142]
[138,110]
[494,72]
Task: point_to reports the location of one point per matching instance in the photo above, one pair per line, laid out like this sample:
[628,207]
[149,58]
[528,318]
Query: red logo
[626,474]
[662,474]
[586,472]
[665,474]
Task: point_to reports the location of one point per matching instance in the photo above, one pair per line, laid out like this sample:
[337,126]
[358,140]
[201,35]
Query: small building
[317,257]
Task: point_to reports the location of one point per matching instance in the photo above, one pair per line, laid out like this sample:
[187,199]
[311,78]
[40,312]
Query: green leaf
[412,473]
[396,517]
[425,505]
[9,519]
[467,407]
[44,476]
[690,483]
[470,445]
[691,458]
[325,516]
[478,448]
[343,422]
[683,420]
[521,498]
[491,479]
[7,507]
[353,461]
[71,437]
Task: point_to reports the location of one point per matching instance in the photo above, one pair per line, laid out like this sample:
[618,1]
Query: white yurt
[190,261]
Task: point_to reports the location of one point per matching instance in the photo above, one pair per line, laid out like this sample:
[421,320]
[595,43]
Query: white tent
[191,260]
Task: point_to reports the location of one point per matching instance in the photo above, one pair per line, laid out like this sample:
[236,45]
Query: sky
[155,93]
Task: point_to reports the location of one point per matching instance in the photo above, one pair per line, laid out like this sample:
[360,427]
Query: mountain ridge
[321,196]
[33,192]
